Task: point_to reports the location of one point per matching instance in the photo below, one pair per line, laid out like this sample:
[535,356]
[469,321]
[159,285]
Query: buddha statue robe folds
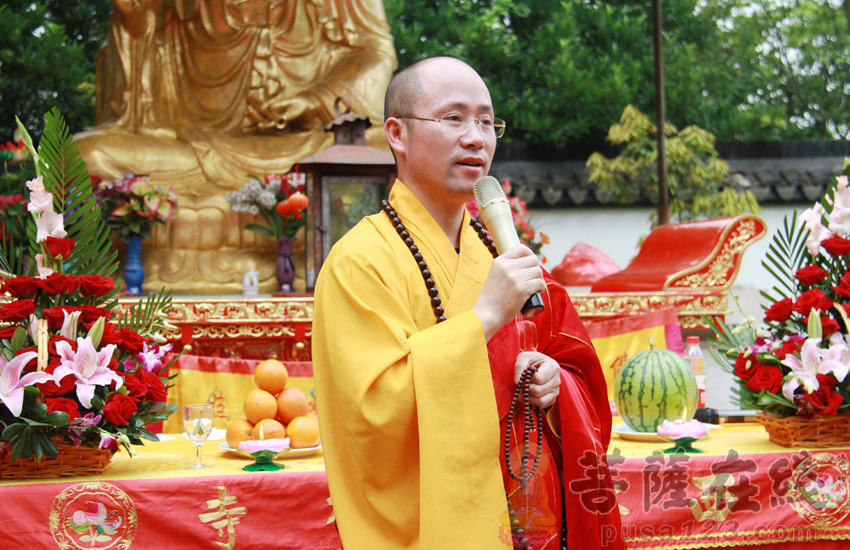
[201,93]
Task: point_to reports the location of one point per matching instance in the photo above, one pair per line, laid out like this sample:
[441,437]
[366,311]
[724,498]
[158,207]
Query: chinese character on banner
[780,472]
[722,491]
[223,518]
[665,481]
[591,488]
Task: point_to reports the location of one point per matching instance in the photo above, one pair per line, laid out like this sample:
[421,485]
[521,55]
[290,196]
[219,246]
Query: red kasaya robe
[581,416]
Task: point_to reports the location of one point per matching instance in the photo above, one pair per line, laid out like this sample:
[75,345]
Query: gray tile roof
[776,173]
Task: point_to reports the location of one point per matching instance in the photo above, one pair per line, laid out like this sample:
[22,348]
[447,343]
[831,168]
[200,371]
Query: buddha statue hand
[303,111]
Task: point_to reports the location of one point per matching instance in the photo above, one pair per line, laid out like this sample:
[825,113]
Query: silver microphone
[495,212]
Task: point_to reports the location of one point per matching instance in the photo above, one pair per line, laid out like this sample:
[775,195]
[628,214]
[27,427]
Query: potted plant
[132,205]
[280,200]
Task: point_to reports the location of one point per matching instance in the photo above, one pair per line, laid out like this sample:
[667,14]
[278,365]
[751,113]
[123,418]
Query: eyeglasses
[486,125]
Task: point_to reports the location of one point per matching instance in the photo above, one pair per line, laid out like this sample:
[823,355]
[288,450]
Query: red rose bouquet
[797,359]
[70,370]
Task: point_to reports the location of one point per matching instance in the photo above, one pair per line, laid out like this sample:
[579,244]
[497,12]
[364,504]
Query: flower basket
[77,381]
[71,461]
[796,431]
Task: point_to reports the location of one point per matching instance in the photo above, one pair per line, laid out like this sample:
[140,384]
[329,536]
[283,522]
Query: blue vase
[134,271]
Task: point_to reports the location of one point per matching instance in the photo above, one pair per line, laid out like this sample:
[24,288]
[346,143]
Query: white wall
[616,231]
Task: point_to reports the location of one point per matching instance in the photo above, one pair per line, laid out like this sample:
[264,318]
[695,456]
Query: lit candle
[261,432]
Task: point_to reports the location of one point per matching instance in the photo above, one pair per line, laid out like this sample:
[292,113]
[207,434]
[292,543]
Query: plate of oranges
[275,409]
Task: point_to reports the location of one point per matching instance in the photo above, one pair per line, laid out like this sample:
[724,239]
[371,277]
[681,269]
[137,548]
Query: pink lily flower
[12,383]
[89,367]
[812,361]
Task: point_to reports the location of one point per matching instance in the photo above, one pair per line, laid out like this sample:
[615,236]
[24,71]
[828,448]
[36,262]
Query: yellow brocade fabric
[407,411]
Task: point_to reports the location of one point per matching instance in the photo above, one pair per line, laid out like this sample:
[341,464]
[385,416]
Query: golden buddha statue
[200,94]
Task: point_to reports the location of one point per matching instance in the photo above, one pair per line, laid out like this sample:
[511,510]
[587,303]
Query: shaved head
[406,86]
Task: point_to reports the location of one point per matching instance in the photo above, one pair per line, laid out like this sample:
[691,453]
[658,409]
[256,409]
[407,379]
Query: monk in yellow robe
[417,348]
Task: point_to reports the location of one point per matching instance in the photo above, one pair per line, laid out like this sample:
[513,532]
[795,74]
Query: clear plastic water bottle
[693,354]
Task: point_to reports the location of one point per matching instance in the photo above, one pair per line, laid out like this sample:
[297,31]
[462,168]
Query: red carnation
[8,332]
[56,315]
[766,377]
[59,247]
[118,409]
[823,400]
[96,285]
[20,287]
[836,246]
[65,386]
[56,283]
[745,367]
[136,389]
[62,404]
[810,275]
[830,326]
[111,335]
[843,288]
[17,310]
[156,389]
[789,347]
[812,299]
[93,313]
[131,341]
[780,311]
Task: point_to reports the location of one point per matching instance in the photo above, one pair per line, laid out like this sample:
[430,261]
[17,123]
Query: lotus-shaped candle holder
[682,434]
[264,451]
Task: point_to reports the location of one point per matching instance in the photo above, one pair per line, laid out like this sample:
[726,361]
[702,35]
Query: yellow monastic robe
[406,407]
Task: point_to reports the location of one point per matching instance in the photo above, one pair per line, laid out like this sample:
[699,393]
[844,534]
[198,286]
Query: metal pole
[661,117]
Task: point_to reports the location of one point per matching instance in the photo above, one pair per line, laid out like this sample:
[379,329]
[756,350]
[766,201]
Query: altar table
[741,491]
[151,502]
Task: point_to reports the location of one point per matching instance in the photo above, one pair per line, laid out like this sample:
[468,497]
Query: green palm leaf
[65,176]
[786,254]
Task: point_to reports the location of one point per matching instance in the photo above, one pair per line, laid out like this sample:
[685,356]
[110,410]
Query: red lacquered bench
[688,265]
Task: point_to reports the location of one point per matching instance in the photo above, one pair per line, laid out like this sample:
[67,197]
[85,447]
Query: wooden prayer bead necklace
[530,413]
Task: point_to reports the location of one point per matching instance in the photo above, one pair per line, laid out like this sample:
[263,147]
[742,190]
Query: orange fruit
[259,404]
[292,402]
[272,429]
[303,432]
[271,375]
[238,431]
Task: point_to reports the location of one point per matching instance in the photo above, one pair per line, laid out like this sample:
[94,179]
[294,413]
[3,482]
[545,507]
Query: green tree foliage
[695,176]
[47,59]
[560,71]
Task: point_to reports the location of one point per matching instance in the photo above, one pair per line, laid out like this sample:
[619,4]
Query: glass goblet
[198,424]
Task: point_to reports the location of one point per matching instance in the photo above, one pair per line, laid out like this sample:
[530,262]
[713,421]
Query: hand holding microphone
[495,212]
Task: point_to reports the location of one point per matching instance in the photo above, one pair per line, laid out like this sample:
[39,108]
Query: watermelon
[653,386]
